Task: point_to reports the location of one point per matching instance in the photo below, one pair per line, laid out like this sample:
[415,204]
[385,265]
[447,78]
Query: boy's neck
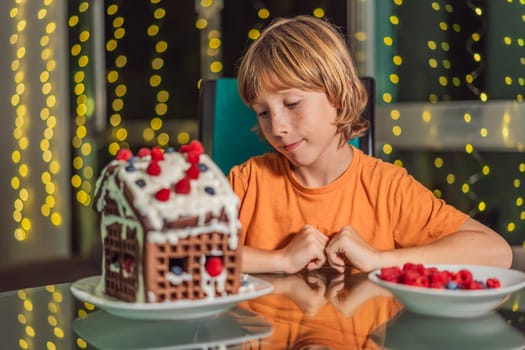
[326,172]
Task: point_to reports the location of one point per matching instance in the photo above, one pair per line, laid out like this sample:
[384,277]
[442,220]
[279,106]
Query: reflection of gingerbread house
[169,227]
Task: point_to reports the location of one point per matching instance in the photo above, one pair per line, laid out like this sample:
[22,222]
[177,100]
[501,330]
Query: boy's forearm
[255,260]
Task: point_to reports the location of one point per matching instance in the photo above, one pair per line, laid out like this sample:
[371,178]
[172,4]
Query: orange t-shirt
[387,207]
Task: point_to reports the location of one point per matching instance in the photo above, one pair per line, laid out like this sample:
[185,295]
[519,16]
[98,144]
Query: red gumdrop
[184,148]
[193,172]
[193,157]
[144,152]
[157,154]
[163,195]
[124,154]
[196,146]
[153,169]
[214,266]
[183,186]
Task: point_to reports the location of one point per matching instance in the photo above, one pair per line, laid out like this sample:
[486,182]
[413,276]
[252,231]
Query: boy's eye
[292,104]
[262,114]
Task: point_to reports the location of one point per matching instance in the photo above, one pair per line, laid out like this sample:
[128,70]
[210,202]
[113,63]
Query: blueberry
[452,285]
[203,167]
[131,168]
[140,183]
[209,190]
[170,150]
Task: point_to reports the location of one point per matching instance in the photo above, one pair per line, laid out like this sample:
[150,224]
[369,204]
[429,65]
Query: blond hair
[306,53]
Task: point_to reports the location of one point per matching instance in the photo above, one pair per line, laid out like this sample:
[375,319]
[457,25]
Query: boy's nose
[279,124]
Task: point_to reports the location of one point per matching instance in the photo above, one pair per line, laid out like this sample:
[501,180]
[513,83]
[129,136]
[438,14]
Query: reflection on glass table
[105,331]
[317,310]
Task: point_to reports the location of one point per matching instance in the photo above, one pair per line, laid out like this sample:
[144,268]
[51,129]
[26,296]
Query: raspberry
[124,154]
[157,154]
[153,169]
[143,152]
[183,148]
[163,195]
[183,186]
[493,283]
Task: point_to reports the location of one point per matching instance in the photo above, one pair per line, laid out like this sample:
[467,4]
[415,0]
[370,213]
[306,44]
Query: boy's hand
[347,247]
[305,250]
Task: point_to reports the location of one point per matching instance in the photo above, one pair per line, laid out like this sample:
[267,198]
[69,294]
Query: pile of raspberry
[431,277]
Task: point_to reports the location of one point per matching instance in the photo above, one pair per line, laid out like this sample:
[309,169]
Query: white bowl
[456,303]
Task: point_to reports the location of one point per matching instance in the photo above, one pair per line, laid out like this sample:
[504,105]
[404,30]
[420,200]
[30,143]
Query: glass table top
[305,311]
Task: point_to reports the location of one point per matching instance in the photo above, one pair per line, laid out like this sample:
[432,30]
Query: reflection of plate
[84,290]
[413,331]
[456,303]
[105,331]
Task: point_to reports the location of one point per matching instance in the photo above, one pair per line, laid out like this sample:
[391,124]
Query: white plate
[105,331]
[84,290]
[456,303]
[413,331]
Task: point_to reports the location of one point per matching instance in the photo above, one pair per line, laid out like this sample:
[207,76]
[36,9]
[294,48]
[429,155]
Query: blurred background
[82,79]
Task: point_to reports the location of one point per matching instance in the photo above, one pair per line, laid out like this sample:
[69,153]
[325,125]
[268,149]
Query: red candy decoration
[157,154]
[196,146]
[183,186]
[153,169]
[193,172]
[193,157]
[493,283]
[124,154]
[144,152]
[214,266]
[163,195]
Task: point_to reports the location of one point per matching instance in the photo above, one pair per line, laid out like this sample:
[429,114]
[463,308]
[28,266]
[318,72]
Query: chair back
[226,123]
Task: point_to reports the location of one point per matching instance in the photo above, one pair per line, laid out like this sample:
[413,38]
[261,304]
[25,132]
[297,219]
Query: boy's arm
[473,243]
[305,250]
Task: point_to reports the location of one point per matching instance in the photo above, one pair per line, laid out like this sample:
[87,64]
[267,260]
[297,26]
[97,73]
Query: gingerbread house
[169,227]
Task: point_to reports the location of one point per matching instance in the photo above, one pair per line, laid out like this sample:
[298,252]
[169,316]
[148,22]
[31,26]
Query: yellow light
[148,134]
[511,227]
[59,333]
[201,23]
[112,76]
[519,201]
[153,30]
[469,148]
[20,235]
[387,148]
[83,61]
[86,149]
[28,305]
[50,188]
[396,130]
[387,97]
[163,96]
[437,193]
[360,36]
[398,162]
[254,34]
[23,344]
[17,216]
[23,170]
[46,177]
[263,13]
[155,80]
[216,66]
[73,21]
[438,162]
[50,345]
[465,188]
[54,167]
[318,12]
[483,97]
[443,26]
[397,60]
[78,162]
[121,134]
[112,9]
[15,183]
[394,20]
[482,206]
[516,183]
[161,109]
[50,201]
[432,62]
[119,33]
[157,63]
[394,78]
[161,46]
[30,331]
[395,114]
[159,13]
[81,196]
[117,104]
[163,139]
[111,45]
[121,90]
[443,81]
[388,41]
[183,138]
[214,43]
[81,343]
[83,7]
[115,119]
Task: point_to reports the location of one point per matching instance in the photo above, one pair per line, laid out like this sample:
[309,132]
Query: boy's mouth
[292,146]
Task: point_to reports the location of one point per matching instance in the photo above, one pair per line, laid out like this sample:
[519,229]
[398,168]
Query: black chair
[225,123]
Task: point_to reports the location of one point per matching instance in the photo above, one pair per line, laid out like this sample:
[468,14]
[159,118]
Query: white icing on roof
[210,193]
